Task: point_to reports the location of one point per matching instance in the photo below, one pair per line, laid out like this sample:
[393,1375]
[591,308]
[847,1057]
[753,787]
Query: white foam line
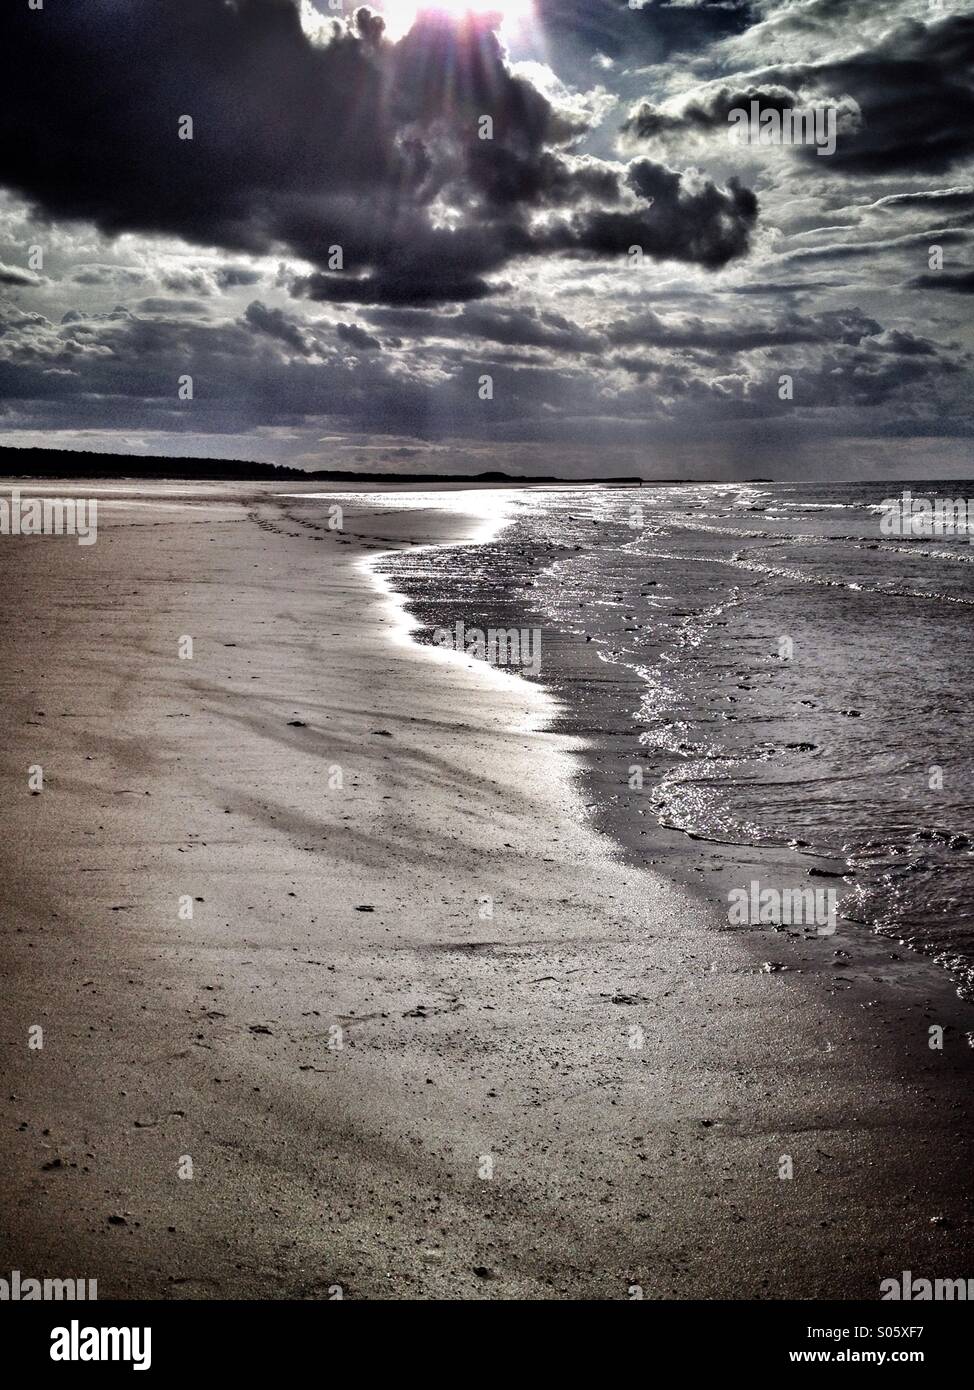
[491,522]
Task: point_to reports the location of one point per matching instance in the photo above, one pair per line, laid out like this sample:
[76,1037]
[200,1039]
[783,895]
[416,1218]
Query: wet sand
[443,910]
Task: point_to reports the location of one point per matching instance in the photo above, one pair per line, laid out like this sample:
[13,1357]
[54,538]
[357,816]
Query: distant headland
[76,463]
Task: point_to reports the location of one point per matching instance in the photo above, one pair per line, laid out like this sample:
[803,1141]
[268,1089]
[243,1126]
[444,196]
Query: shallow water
[780,673]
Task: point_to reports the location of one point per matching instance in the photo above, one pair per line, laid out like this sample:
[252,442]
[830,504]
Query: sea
[757,669]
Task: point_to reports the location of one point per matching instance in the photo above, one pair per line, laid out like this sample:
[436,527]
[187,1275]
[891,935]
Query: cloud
[677,216]
[914,90]
[14,275]
[460,255]
[523,326]
[946,283]
[276,324]
[206,280]
[648,32]
[95,274]
[115,370]
[897,370]
[175,308]
[361,143]
[232,276]
[927,200]
[707,112]
[858,250]
[845,326]
[355,336]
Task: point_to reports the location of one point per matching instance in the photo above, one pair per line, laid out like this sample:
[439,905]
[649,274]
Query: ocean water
[782,677]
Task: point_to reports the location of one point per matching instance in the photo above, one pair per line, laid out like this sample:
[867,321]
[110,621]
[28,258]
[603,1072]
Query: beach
[427,1034]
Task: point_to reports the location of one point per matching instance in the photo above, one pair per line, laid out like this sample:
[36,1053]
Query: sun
[401,14]
[515,16]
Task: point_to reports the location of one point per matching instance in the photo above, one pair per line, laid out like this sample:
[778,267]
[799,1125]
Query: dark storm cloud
[303,147]
[373,147]
[525,326]
[529,327]
[706,341]
[914,89]
[679,216]
[231,276]
[843,326]
[912,372]
[422,276]
[119,370]
[916,93]
[116,370]
[880,370]
[276,324]
[188,282]
[704,112]
[506,178]
[666,214]
[649,34]
[946,283]
[355,336]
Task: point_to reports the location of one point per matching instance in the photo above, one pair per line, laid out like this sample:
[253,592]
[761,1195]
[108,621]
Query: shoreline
[465,1037]
[708,867]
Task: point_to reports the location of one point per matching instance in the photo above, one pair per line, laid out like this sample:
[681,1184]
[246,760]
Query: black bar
[241,1337]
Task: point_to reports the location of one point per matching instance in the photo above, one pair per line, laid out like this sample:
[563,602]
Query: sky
[517,236]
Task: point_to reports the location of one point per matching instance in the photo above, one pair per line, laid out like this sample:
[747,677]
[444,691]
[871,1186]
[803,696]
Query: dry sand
[472,1044]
